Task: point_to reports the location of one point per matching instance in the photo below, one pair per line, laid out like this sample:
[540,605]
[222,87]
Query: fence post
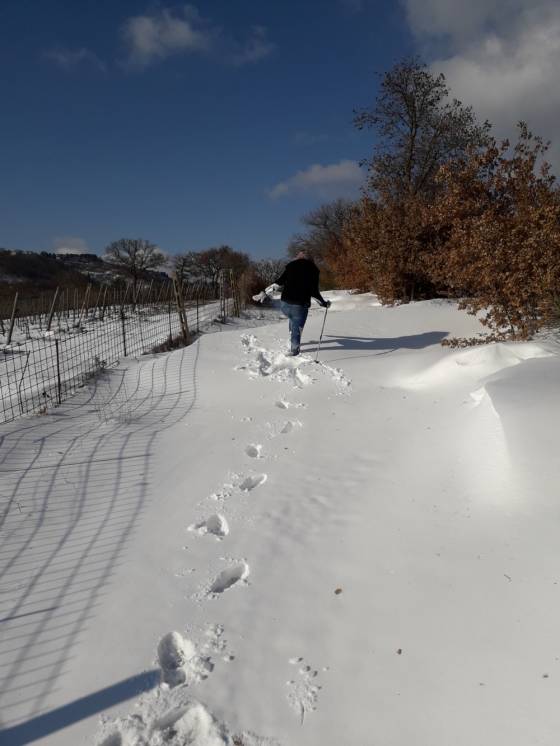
[51,312]
[123,317]
[21,382]
[221,294]
[169,317]
[96,305]
[58,381]
[181,312]
[123,324]
[86,299]
[12,319]
[102,312]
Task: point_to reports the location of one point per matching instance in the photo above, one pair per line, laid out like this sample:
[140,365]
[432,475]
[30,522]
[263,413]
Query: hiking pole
[321,337]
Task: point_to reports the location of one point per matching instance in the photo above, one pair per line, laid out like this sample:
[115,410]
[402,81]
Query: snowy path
[359,552]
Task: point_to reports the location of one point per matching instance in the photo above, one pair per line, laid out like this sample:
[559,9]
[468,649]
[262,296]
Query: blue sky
[225,121]
[186,125]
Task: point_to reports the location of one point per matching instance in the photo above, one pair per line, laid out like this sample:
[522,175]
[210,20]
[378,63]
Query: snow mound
[476,364]
[179,661]
[169,717]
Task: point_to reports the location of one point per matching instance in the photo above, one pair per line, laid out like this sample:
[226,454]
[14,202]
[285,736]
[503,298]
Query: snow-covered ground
[357,552]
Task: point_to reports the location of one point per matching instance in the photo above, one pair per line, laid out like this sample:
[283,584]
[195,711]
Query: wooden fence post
[12,319]
[123,318]
[58,381]
[102,312]
[94,314]
[181,312]
[86,299]
[51,312]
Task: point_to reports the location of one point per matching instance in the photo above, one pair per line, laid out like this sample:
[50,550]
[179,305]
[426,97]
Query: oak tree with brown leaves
[496,236]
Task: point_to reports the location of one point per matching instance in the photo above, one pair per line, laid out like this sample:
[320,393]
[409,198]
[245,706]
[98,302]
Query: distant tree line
[133,262]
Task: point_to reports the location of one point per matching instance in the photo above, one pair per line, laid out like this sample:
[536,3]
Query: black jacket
[300,283]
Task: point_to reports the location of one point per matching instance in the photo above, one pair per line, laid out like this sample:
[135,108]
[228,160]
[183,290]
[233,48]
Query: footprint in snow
[179,661]
[303,693]
[223,494]
[215,524]
[253,450]
[236,573]
[216,644]
[284,404]
[251,482]
[289,426]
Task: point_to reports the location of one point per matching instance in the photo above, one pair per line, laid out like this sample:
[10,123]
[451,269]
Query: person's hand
[327,304]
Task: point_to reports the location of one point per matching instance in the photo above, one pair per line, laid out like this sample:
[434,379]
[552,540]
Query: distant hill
[28,270]
[31,272]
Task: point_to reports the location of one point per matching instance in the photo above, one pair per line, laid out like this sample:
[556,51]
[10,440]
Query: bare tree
[134,256]
[418,129]
[268,270]
[205,266]
[323,235]
[188,267]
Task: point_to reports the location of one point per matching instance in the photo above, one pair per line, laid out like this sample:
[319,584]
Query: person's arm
[316,293]
[281,280]
[267,292]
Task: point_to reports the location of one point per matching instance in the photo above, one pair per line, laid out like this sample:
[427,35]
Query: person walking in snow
[299,282]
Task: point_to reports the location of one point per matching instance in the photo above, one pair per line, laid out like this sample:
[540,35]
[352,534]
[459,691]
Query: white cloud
[502,57]
[69,58]
[166,32]
[335,179]
[70,245]
[459,19]
[155,37]
[256,48]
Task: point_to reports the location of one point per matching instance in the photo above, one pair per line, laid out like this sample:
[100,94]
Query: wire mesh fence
[60,342]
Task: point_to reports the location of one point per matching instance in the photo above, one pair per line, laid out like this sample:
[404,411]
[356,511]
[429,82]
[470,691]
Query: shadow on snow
[380,345]
[73,486]
[55,720]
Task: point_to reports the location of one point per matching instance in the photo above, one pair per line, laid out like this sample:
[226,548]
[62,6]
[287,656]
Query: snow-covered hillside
[225,545]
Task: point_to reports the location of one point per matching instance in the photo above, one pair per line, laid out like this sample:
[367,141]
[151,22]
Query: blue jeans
[297,316]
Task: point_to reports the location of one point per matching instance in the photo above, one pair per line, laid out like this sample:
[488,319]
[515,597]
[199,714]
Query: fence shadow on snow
[73,486]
